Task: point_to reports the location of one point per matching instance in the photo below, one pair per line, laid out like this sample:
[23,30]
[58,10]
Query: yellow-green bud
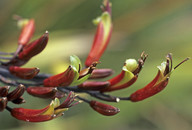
[131,64]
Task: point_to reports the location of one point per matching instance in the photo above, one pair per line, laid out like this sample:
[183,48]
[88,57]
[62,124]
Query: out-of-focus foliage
[155,26]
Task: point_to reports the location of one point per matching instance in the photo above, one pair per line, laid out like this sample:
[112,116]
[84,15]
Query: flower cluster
[76,78]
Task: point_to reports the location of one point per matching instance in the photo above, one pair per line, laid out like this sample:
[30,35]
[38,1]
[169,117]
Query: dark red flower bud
[101,73]
[24,73]
[62,79]
[34,47]
[31,115]
[3,103]
[4,91]
[53,110]
[42,92]
[19,100]
[104,109]
[18,92]
[27,32]
[94,85]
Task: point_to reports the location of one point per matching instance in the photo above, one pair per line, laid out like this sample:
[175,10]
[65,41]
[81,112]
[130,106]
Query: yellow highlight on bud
[131,65]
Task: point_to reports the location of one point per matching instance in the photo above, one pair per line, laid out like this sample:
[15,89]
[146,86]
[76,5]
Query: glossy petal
[101,73]
[104,109]
[24,73]
[102,37]
[50,112]
[62,79]
[27,32]
[18,92]
[34,47]
[42,92]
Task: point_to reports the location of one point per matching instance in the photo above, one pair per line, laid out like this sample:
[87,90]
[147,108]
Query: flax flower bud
[24,73]
[28,27]
[34,48]
[158,83]
[53,110]
[102,36]
[101,73]
[128,75]
[18,92]
[104,109]
[43,92]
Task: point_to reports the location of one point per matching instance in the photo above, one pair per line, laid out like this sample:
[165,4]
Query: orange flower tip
[104,109]
[28,27]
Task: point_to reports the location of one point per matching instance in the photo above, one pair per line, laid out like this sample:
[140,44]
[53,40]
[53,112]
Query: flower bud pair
[14,96]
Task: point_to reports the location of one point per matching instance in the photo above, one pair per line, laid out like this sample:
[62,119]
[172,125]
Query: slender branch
[5,58]
[9,79]
[4,53]
[8,109]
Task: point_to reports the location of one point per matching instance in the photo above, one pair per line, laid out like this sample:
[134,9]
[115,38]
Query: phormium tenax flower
[34,48]
[158,83]
[53,110]
[28,51]
[128,75]
[72,76]
[102,36]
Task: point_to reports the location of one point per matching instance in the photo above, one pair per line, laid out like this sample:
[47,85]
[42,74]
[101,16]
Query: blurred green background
[157,27]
